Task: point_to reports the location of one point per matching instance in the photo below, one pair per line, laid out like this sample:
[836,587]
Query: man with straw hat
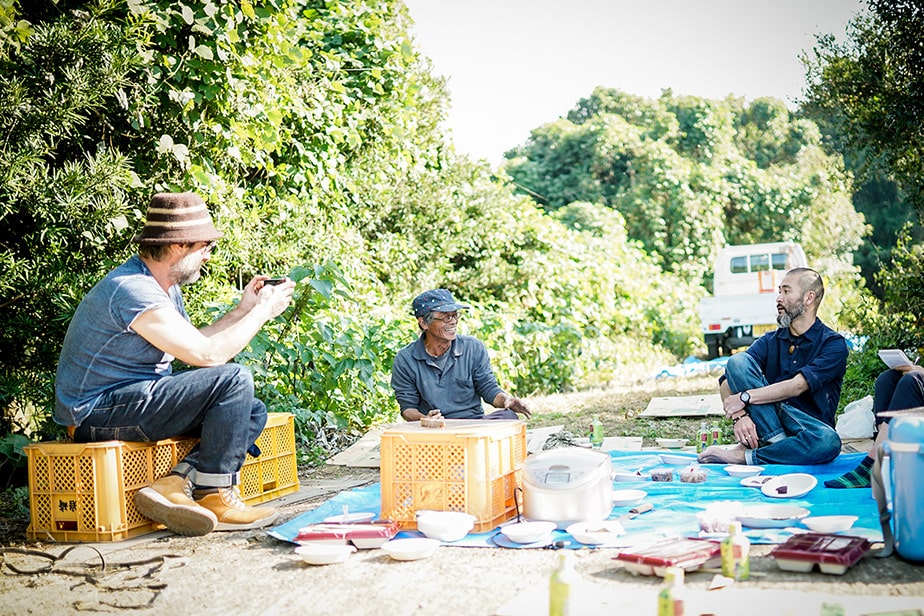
[115,381]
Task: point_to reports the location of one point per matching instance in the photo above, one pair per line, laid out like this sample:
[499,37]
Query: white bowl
[743,470]
[529,532]
[792,485]
[596,533]
[324,553]
[410,549]
[678,459]
[671,443]
[829,523]
[359,517]
[627,476]
[623,498]
[445,525]
[772,516]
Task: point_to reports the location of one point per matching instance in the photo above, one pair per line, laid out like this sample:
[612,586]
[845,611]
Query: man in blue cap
[445,374]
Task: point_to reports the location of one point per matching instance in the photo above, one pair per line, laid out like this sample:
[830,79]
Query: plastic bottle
[715,435]
[562,586]
[736,553]
[671,597]
[702,437]
[596,433]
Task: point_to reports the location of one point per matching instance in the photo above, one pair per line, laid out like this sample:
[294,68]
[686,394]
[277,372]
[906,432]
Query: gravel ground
[251,573]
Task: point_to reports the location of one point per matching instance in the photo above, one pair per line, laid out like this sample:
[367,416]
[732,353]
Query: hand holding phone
[275,281]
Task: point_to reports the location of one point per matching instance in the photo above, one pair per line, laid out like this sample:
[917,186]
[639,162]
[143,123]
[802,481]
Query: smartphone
[275,281]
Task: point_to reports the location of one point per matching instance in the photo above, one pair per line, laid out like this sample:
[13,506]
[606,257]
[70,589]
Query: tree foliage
[872,87]
[312,129]
[690,175]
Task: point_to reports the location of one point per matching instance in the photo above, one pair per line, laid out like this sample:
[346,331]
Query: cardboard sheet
[684,406]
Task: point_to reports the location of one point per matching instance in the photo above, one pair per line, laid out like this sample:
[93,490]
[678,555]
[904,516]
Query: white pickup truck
[743,305]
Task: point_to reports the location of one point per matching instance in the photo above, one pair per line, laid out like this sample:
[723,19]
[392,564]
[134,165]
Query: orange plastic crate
[473,466]
[85,492]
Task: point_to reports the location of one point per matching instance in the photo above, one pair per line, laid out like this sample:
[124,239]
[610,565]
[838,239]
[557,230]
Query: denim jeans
[215,404]
[786,434]
[896,391]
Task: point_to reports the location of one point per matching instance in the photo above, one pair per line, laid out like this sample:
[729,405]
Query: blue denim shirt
[101,351]
[457,390]
[820,355]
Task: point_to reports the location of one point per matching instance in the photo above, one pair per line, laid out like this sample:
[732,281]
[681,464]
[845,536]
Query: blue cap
[436,300]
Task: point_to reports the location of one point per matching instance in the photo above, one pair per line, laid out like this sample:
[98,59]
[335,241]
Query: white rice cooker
[567,485]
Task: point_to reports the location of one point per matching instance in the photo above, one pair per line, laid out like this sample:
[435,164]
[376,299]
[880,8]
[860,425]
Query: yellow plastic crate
[473,466]
[275,472]
[85,492]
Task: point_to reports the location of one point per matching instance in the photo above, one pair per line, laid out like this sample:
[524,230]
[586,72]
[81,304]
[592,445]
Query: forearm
[227,341]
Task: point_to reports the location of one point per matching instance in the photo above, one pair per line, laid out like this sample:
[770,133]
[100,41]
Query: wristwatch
[745,398]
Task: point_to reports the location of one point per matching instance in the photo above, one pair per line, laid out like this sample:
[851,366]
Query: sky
[514,65]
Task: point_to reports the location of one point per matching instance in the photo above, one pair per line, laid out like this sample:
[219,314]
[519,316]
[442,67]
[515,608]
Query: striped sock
[857,478]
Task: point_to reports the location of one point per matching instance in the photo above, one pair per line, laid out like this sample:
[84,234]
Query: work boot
[232,513]
[168,501]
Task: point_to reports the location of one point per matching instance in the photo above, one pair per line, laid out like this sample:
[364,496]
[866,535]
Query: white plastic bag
[857,420]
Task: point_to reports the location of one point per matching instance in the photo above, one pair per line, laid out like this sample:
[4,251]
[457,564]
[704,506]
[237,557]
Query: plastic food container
[363,536]
[688,554]
[832,553]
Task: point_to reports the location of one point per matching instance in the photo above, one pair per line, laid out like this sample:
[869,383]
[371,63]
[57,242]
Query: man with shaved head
[783,391]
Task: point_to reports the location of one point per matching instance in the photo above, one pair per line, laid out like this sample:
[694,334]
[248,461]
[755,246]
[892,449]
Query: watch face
[745,397]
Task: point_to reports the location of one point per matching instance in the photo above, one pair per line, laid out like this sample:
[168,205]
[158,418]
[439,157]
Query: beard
[187,270]
[785,318]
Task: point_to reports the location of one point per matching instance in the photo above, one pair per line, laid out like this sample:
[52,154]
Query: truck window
[760,263]
[739,265]
[780,261]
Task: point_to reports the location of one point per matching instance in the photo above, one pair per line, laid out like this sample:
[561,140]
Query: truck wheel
[713,349]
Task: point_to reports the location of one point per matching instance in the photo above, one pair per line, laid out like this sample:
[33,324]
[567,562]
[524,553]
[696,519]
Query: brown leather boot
[232,513]
[168,501]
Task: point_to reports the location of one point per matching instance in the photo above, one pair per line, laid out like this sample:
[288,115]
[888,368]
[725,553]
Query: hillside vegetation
[313,130]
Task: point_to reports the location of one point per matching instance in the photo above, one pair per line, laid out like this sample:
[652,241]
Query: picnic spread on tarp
[675,504]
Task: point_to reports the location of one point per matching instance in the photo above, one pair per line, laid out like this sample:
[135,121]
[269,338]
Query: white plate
[792,485]
[529,532]
[743,470]
[410,549]
[772,516]
[671,443]
[678,459]
[597,533]
[351,518]
[829,523]
[757,481]
[627,476]
[624,498]
[323,553]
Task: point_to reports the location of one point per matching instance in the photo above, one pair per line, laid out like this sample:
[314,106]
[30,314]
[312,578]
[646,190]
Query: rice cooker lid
[566,468]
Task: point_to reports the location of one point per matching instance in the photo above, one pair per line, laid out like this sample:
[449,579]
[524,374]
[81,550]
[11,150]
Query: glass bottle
[596,433]
[736,550]
[671,597]
[562,586]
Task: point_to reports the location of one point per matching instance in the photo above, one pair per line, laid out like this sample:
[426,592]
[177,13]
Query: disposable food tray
[363,536]
[689,554]
[832,553]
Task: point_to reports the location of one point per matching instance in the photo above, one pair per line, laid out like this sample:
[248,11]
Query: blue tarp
[675,503]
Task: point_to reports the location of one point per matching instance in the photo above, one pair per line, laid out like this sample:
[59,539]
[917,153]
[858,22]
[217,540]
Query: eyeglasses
[209,247]
[452,317]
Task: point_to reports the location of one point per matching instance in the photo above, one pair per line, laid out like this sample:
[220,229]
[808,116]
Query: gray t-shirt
[101,352]
[457,388]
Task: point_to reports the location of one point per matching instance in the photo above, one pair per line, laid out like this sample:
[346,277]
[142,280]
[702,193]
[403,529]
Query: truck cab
[743,304]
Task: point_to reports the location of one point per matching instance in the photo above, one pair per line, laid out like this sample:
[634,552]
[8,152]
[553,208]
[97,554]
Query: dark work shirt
[819,355]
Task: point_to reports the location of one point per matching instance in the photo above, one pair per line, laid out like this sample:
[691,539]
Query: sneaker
[168,501]
[232,513]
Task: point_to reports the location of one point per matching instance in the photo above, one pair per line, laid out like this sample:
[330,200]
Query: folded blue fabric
[675,503]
